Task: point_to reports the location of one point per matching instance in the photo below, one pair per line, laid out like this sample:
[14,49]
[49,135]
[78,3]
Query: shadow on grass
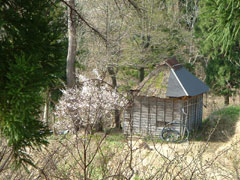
[220,126]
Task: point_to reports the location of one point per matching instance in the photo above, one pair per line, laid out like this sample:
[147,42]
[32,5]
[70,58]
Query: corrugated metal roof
[171,80]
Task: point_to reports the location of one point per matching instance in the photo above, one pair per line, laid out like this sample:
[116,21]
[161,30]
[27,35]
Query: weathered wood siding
[192,115]
[148,115]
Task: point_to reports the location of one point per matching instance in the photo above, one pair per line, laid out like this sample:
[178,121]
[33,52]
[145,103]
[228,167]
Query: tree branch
[131,2]
[84,21]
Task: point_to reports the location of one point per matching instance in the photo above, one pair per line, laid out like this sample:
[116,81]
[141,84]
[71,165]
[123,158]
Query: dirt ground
[205,160]
[216,160]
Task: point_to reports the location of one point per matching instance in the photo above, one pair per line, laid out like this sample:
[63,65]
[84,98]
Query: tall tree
[108,16]
[219,40]
[72,44]
[32,49]
[223,77]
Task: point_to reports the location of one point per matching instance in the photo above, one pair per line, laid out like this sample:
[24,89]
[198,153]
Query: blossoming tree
[88,104]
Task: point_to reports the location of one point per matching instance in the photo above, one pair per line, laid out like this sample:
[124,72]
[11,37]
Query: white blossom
[91,102]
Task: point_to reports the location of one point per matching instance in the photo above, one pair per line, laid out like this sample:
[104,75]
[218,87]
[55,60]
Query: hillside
[216,157]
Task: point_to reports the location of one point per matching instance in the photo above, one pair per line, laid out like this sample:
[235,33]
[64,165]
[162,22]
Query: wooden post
[196,118]
[187,118]
[181,118]
[164,107]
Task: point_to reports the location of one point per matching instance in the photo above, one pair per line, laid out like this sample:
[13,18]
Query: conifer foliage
[219,22]
[219,38]
[223,77]
[32,51]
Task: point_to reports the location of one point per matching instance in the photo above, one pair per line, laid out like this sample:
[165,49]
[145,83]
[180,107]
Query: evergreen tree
[223,77]
[219,37]
[32,49]
[220,21]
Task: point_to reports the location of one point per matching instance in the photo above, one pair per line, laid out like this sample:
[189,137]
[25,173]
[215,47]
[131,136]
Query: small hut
[168,94]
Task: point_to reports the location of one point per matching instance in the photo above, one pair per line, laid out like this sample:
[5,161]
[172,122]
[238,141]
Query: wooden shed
[169,93]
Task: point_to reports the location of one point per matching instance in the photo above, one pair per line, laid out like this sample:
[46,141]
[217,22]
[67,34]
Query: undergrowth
[220,125]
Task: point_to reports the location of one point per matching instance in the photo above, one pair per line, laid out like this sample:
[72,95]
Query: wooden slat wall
[152,115]
[161,114]
[193,108]
[146,111]
[178,105]
[200,110]
[169,110]
[136,116]
[127,121]
[160,107]
[191,113]
[144,120]
[185,114]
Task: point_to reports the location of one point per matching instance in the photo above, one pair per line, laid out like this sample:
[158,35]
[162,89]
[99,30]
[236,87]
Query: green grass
[151,139]
[116,139]
[223,121]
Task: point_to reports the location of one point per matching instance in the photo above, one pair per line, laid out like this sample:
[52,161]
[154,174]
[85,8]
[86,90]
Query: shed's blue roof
[183,83]
[170,79]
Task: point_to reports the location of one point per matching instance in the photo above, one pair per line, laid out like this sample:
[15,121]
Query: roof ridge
[173,63]
[185,91]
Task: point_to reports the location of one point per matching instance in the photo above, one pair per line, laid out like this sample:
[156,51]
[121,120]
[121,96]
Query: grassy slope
[221,124]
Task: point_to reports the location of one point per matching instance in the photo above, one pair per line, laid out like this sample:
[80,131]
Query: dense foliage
[220,24]
[223,77]
[32,51]
[219,38]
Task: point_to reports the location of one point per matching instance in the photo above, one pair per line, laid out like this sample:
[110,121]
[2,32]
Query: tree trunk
[46,108]
[117,119]
[54,129]
[141,74]
[114,84]
[113,76]
[226,100]
[72,45]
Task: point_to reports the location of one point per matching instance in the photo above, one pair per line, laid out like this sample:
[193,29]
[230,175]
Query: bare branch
[80,16]
[131,2]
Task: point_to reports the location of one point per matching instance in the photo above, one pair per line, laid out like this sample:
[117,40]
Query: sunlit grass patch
[220,124]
